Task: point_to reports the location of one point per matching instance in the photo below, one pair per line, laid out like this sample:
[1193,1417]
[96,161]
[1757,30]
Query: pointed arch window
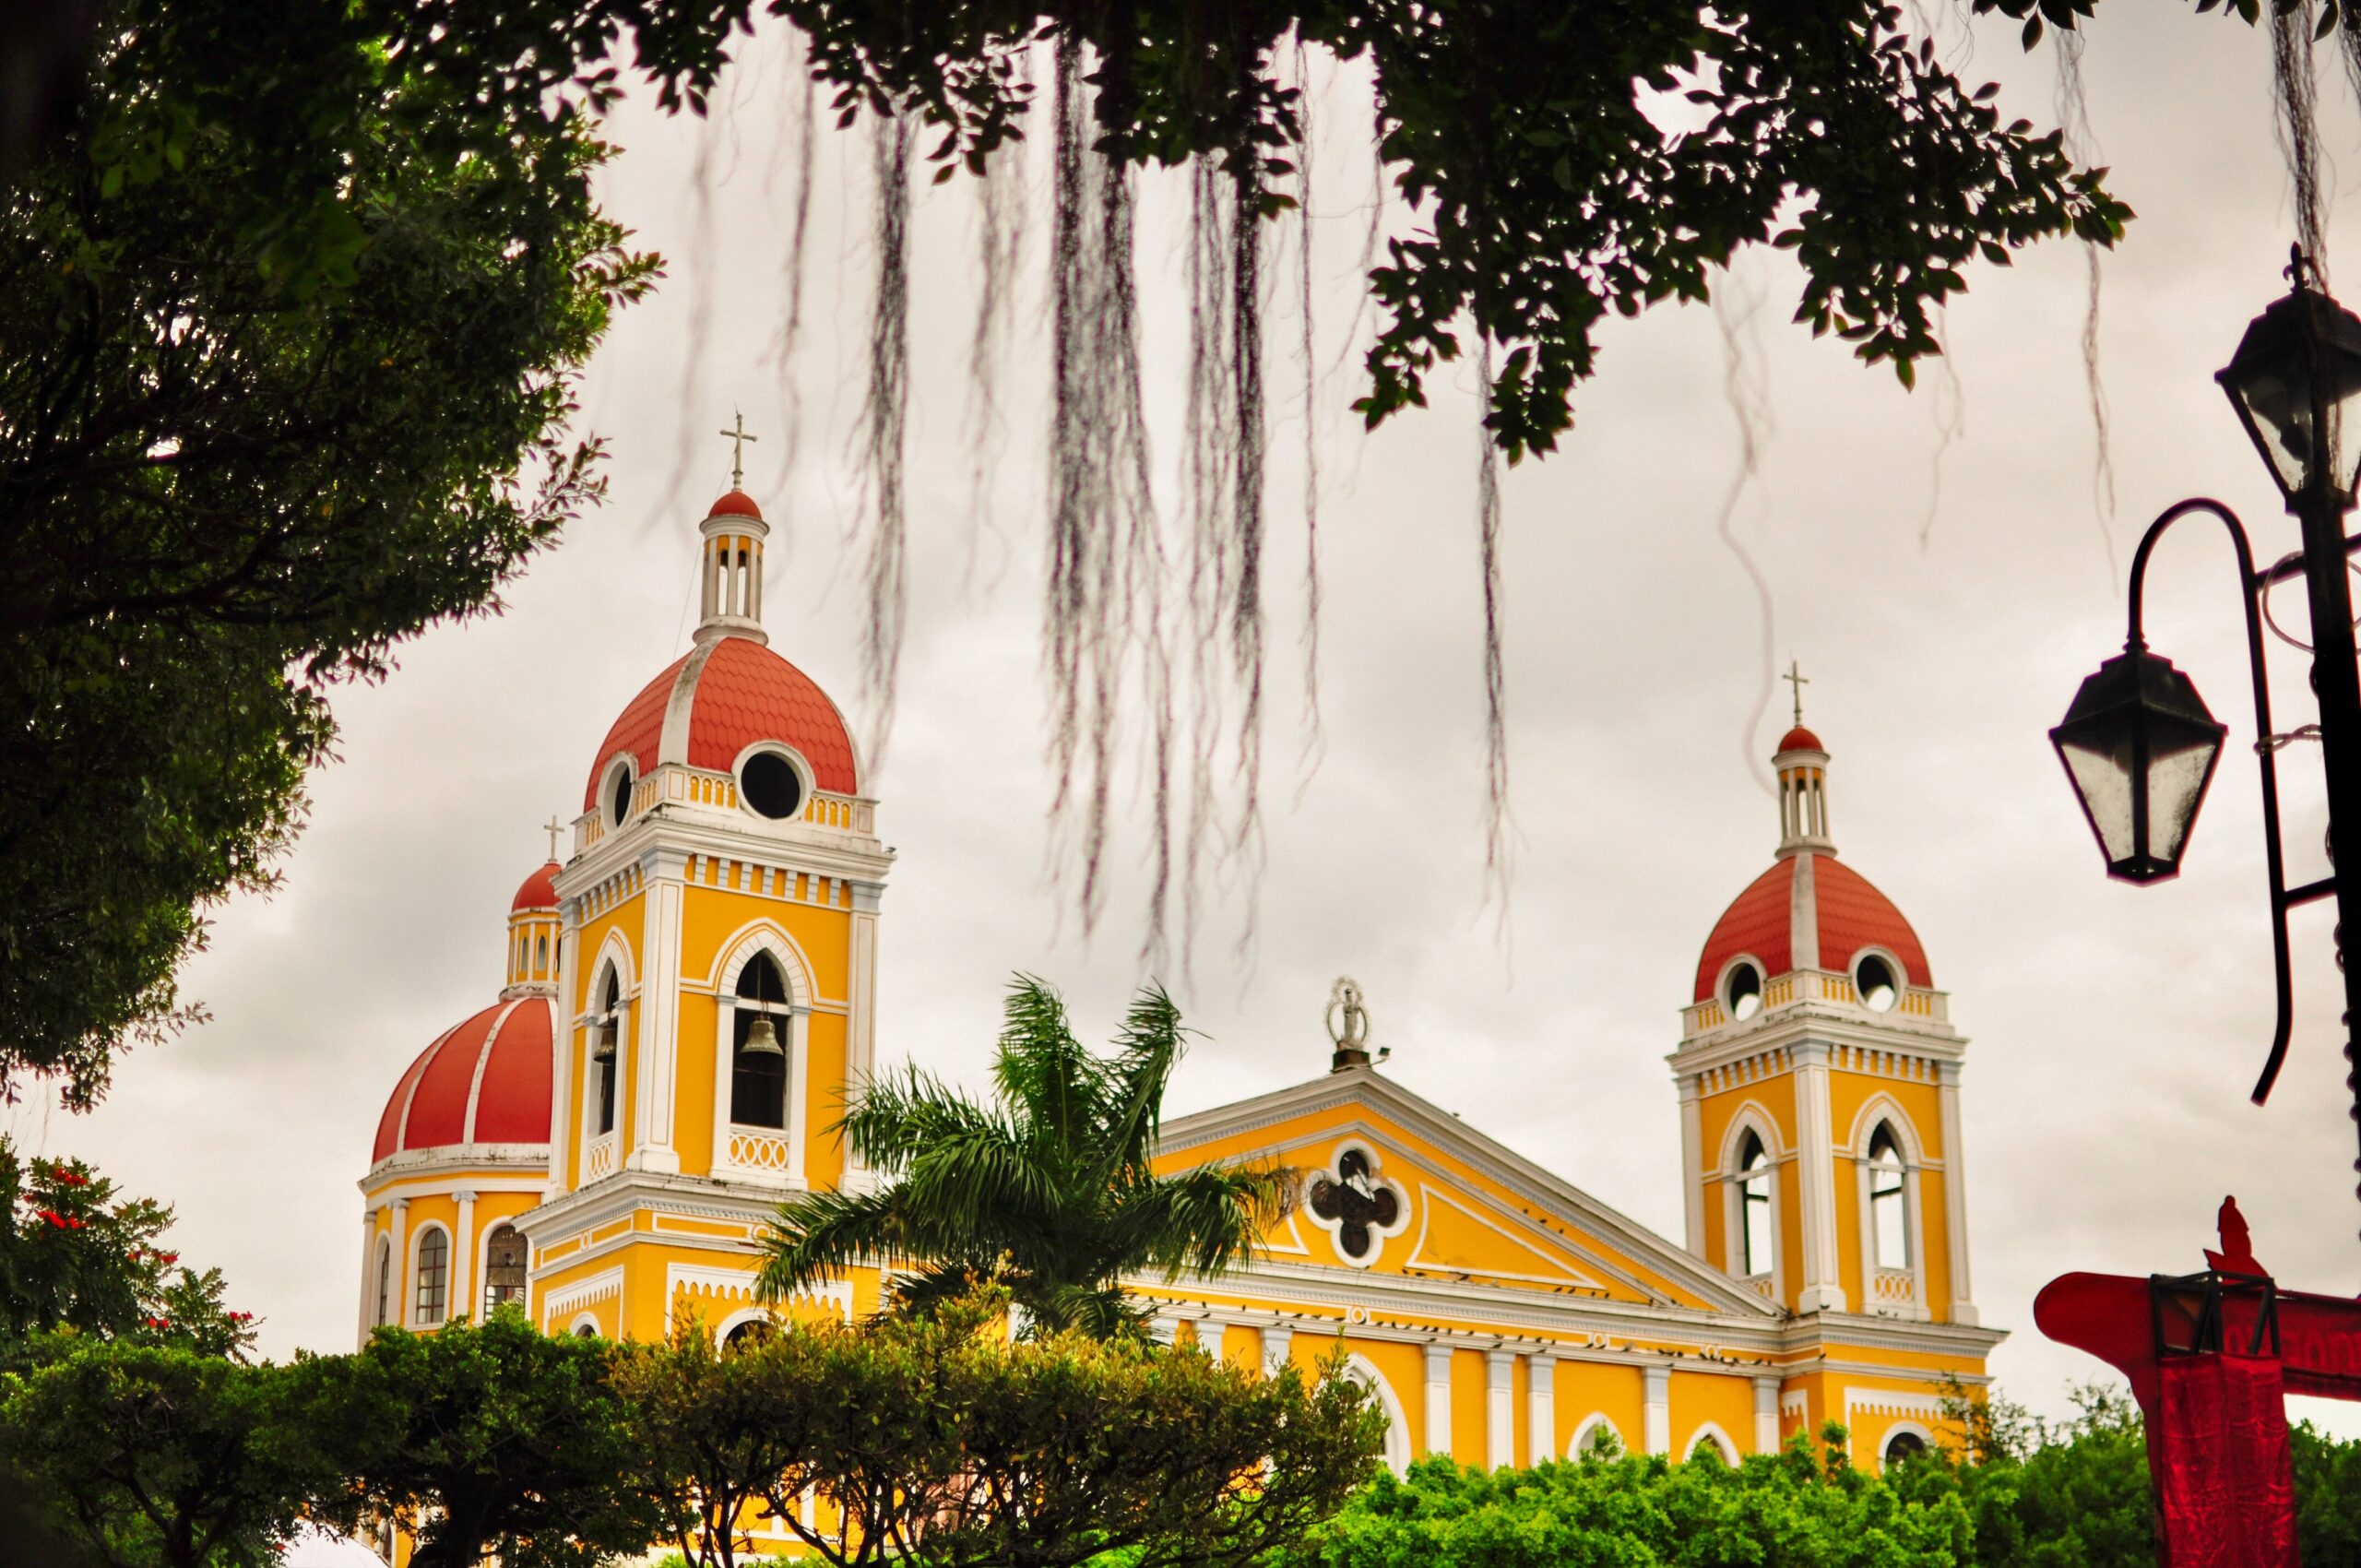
[1756,1250]
[605,1056]
[504,1269]
[758,1046]
[434,1274]
[1889,1213]
[385,1279]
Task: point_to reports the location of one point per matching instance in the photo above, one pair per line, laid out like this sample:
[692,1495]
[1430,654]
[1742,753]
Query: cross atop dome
[1802,763]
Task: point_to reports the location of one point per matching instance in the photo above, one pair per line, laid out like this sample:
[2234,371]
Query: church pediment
[1387,1184]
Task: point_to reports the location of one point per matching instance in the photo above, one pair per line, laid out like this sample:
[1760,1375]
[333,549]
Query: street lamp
[2138,743]
[2139,747]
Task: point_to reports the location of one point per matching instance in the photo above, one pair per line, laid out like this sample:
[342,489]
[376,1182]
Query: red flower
[66,1177]
[167,1259]
[56,1219]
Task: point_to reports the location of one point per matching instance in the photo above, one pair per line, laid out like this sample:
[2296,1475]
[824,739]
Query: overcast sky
[1935,560]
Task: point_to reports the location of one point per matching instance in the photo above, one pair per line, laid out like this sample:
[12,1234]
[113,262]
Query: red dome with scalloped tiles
[736,504]
[1799,740]
[539,892]
[1850,915]
[484,1082]
[713,702]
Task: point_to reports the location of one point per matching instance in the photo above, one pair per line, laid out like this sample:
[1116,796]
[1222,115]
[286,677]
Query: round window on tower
[1742,990]
[769,785]
[619,785]
[1875,983]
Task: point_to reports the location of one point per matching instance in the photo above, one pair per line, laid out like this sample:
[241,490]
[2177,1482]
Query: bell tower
[719,957]
[1819,1082]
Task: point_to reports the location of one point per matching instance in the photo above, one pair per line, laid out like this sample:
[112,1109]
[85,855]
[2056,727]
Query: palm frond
[1045,1078]
[814,1236]
[1147,1050]
[895,1118]
[979,1181]
[1206,1221]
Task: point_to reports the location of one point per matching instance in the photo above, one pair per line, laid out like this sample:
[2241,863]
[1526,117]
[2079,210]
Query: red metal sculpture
[2212,1358]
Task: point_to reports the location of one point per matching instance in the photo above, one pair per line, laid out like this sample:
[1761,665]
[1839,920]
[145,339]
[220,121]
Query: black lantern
[2300,361]
[2139,747]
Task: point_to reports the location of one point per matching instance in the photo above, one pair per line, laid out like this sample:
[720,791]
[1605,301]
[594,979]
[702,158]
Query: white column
[1277,1343]
[860,1021]
[1162,1327]
[1657,1420]
[1962,1303]
[1500,1408]
[1210,1331]
[1439,1399]
[1766,1415]
[1815,1181]
[463,1257]
[562,1007]
[1693,1170]
[659,1020]
[397,1299]
[368,1270]
[1541,1408]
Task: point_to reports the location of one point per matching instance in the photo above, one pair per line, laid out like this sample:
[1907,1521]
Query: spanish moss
[2298,123]
[1000,255]
[1497,867]
[2074,120]
[1310,425]
[802,135]
[1746,390]
[884,416]
[1245,415]
[1210,459]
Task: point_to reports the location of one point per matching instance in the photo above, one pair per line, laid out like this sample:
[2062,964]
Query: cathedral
[691,987]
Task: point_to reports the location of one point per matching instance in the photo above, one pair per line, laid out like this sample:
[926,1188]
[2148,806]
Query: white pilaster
[1162,1328]
[1656,1418]
[1500,1408]
[368,1271]
[1815,1149]
[1766,1415]
[860,1023]
[1962,1303]
[1541,1408]
[562,1007]
[1439,1399]
[1277,1343]
[653,1071]
[1210,1333]
[397,1299]
[1692,1167]
[463,1257]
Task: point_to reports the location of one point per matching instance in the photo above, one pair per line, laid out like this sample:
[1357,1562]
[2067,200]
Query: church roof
[713,702]
[485,1080]
[1847,914]
[539,891]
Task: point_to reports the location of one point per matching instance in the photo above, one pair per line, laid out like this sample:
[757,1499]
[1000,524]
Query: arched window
[747,1335]
[504,1269]
[1904,1444]
[1598,1439]
[385,1279]
[541,954]
[605,1056]
[1708,1445]
[758,1054]
[1754,1206]
[1359,1370]
[619,796]
[1888,1221]
[433,1273]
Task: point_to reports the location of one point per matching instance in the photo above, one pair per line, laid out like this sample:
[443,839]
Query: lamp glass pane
[2178,765]
[2279,398]
[2103,778]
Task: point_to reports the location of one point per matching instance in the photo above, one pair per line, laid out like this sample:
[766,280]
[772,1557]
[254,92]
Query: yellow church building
[691,987]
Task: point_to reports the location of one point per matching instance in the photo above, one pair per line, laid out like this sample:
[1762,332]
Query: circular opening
[619,796]
[1874,980]
[1743,992]
[769,785]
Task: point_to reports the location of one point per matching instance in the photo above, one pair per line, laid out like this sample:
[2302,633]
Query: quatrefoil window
[1356,1205]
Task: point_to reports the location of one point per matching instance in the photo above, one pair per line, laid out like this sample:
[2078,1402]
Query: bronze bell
[763,1039]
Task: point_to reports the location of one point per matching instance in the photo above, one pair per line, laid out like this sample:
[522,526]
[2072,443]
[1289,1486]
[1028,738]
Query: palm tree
[1047,1190]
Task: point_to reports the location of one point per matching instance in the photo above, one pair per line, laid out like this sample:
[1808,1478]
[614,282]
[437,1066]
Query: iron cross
[552,827]
[738,451]
[1797,678]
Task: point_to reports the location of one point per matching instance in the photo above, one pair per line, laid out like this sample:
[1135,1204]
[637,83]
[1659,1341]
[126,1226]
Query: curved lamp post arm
[2252,585]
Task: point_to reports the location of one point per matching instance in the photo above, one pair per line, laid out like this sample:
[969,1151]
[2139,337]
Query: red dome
[1799,740]
[717,700]
[486,1081]
[539,892]
[736,504]
[1847,914]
